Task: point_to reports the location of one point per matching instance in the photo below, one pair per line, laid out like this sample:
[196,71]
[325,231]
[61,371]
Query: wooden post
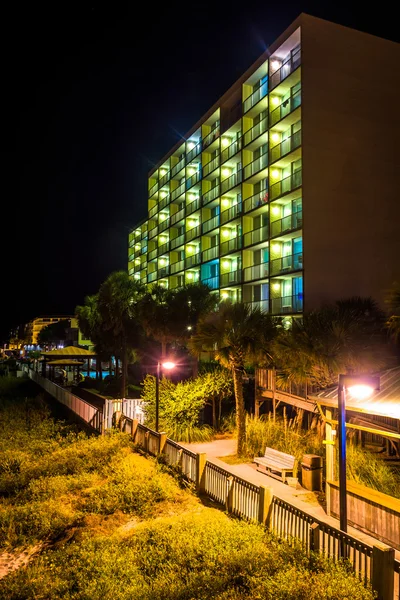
[314,537]
[162,440]
[146,441]
[201,459]
[264,506]
[135,424]
[117,418]
[273,393]
[330,459]
[229,494]
[383,571]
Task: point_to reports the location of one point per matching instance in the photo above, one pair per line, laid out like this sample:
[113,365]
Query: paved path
[298,497]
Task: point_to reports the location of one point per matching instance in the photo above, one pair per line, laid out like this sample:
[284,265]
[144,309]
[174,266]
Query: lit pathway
[298,497]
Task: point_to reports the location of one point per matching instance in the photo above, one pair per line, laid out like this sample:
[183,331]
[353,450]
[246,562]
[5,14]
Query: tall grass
[189,433]
[370,470]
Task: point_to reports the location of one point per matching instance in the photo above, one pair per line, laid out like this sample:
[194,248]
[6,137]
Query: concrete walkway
[298,497]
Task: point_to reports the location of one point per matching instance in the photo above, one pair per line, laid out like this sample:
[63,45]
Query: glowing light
[191,170]
[168,365]
[225,202]
[163,194]
[192,224]
[137,275]
[162,217]
[137,261]
[275,100]
[275,210]
[189,327]
[189,275]
[276,248]
[276,286]
[162,172]
[275,173]
[226,233]
[225,142]
[163,262]
[191,197]
[190,249]
[361,391]
[226,264]
[224,295]
[275,64]
[226,172]
[191,145]
[275,137]
[137,246]
[163,239]
[137,232]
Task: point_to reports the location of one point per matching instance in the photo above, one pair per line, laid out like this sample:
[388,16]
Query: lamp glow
[163,239]
[224,295]
[168,365]
[137,276]
[137,261]
[191,170]
[190,249]
[275,64]
[137,246]
[191,145]
[275,173]
[162,172]
[163,194]
[189,275]
[191,197]
[162,217]
[226,264]
[226,172]
[275,210]
[225,202]
[192,224]
[162,262]
[361,391]
[137,232]
[225,233]
[275,100]
[276,248]
[275,137]
[225,142]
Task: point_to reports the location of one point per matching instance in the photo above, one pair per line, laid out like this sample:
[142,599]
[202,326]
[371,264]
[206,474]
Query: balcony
[286,185]
[231,150]
[153,211]
[210,166]
[231,181]
[153,189]
[177,266]
[287,304]
[193,233]
[210,254]
[256,165]
[210,224]
[193,179]
[256,201]
[213,135]
[163,180]
[231,245]
[152,254]
[256,272]
[163,249]
[257,130]
[286,146]
[290,65]
[193,152]
[178,167]
[163,272]
[151,276]
[131,257]
[211,195]
[153,232]
[178,216]
[190,208]
[285,108]
[255,97]
[256,236]
[262,305]
[178,241]
[212,282]
[231,278]
[144,235]
[191,261]
[164,202]
[285,264]
[177,191]
[144,249]
[163,225]
[286,224]
[231,213]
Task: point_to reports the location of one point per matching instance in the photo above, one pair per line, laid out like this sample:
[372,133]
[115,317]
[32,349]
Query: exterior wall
[350,162]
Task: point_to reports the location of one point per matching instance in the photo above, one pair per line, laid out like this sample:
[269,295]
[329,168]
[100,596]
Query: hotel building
[284,194]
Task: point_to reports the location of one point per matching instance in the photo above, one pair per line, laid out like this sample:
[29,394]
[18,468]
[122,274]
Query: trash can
[311,472]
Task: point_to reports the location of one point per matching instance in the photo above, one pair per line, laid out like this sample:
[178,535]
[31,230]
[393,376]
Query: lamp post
[168,366]
[360,387]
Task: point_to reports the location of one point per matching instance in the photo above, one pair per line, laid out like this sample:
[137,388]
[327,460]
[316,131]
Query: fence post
[135,424]
[146,441]
[162,440]
[383,571]
[201,459]
[265,502]
[229,494]
[314,537]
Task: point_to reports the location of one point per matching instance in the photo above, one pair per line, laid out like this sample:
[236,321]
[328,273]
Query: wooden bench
[277,464]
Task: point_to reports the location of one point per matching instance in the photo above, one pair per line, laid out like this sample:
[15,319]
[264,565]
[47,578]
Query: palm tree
[238,334]
[118,299]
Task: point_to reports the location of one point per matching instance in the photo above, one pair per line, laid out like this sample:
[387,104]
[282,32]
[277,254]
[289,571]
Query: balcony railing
[193,179]
[178,191]
[177,266]
[177,216]
[231,181]
[178,241]
[291,262]
[210,166]
[164,179]
[190,208]
[231,245]
[178,167]
[286,146]
[256,131]
[153,189]
[231,278]
[153,211]
[212,282]
[164,202]
[163,272]
[211,195]
[152,254]
[144,249]
[286,224]
[287,304]
[193,260]
[256,165]
[231,150]
[256,236]
[262,305]
[211,137]
[153,232]
[286,185]
[210,254]
[144,235]
[210,224]
[285,108]
[256,201]
[231,213]
[131,257]
[151,276]
[163,225]
[290,65]
[255,97]
[256,272]
[193,233]
[163,249]
[193,152]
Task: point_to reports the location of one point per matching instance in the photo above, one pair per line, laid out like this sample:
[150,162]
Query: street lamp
[360,387]
[168,366]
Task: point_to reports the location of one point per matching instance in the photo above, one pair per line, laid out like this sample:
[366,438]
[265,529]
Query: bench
[277,464]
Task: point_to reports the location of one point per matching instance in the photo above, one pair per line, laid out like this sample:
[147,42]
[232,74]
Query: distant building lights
[275,137]
[226,172]
[276,248]
[225,142]
[190,249]
[189,275]
[276,286]
[163,239]
[225,202]
[226,264]
[226,233]
[275,100]
[275,173]
[275,210]
[163,262]
[192,224]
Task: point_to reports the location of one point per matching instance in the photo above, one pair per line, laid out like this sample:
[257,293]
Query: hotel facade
[284,195]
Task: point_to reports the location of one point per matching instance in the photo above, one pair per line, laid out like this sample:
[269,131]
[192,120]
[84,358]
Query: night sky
[98,95]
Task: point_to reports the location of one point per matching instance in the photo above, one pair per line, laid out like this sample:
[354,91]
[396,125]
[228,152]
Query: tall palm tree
[238,334]
[118,299]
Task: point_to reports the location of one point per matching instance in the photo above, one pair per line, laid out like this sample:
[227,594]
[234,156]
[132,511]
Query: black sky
[98,94]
